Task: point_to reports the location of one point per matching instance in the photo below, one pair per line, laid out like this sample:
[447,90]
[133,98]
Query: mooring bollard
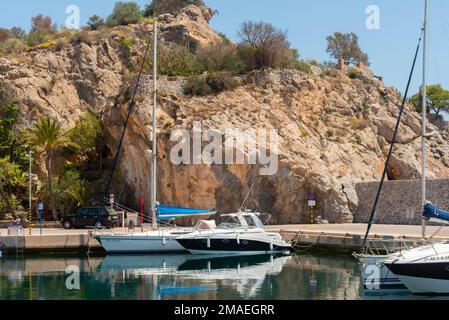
[30,218]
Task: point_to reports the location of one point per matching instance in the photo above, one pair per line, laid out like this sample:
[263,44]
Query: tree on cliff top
[4,35]
[42,28]
[437,99]
[346,46]
[264,46]
[157,7]
[124,13]
[95,22]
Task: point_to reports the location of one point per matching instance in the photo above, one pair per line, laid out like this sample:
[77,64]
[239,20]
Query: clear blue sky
[308,23]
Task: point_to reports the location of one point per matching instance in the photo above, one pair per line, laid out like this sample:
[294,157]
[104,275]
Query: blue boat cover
[430,211]
[164,291]
[168,212]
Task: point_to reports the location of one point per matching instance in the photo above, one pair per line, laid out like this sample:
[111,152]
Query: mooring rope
[297,247]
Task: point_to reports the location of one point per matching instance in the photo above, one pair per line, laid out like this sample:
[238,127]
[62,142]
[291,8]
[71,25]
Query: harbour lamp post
[30,187]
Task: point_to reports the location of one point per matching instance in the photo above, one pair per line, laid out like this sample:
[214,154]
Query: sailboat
[386,277]
[159,240]
[424,269]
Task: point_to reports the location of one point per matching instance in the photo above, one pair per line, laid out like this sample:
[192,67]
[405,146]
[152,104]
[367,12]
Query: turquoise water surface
[172,277]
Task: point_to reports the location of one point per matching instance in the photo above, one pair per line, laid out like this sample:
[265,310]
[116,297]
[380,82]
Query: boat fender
[271,245]
[164,241]
[238,240]
[208,242]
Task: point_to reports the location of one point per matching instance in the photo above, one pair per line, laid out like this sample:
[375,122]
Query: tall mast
[154,117]
[424,114]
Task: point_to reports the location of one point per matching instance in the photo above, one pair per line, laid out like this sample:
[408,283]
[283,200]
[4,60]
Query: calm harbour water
[186,277]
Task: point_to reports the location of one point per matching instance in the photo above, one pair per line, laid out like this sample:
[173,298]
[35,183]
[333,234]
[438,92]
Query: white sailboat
[159,240]
[384,277]
[424,269]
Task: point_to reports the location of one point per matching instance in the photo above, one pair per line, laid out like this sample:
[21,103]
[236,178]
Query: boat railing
[140,216]
[378,247]
[161,225]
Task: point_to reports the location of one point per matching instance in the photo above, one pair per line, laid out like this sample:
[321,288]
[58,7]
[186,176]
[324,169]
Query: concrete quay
[342,237]
[349,237]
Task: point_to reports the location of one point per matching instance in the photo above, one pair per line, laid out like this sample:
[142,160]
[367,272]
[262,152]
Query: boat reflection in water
[190,277]
[180,275]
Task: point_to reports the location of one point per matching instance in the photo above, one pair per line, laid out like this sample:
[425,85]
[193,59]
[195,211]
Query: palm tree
[48,137]
[80,192]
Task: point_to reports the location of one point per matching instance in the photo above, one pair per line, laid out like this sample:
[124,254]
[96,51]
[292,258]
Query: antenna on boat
[424,117]
[247,196]
[154,120]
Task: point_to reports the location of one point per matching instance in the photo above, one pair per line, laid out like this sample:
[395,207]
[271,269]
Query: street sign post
[311,202]
[111,200]
[41,213]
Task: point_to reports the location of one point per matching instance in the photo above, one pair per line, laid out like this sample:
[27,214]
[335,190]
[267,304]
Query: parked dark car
[97,217]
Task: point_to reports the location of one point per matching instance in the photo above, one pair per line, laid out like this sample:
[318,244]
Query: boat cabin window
[240,221]
[231,222]
[253,221]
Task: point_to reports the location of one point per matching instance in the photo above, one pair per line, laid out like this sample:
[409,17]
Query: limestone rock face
[190,27]
[333,131]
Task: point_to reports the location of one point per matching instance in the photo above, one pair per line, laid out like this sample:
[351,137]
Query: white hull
[145,243]
[423,269]
[425,285]
[231,253]
[234,242]
[376,275]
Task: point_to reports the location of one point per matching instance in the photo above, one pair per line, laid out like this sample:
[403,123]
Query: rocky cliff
[334,126]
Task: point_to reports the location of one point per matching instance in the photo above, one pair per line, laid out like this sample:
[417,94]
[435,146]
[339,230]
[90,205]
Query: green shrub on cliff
[175,60]
[157,7]
[219,82]
[124,13]
[197,86]
[12,186]
[10,139]
[88,137]
[11,46]
[42,30]
[264,46]
[210,84]
[221,57]
[302,66]
[71,191]
[96,22]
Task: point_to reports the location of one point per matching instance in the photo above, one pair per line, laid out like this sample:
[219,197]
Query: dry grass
[359,124]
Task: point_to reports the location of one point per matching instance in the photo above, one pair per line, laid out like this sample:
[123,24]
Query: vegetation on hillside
[168,6]
[209,70]
[346,46]
[437,99]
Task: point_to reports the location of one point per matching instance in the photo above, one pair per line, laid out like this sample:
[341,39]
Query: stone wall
[400,201]
[175,85]
[166,85]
